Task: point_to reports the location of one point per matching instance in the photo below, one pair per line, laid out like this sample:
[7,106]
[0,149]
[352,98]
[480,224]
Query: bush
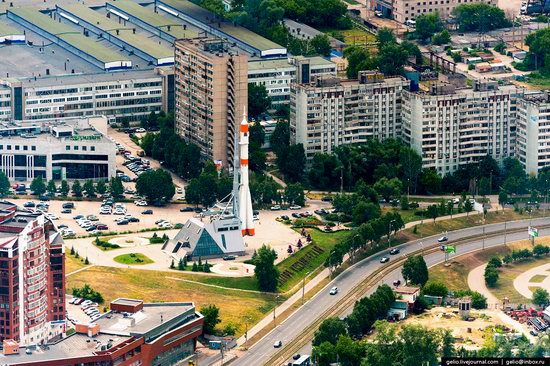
[478,300]
[435,289]
[495,262]
[86,292]
[491,276]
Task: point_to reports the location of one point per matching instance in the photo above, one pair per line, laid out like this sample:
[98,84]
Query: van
[410,23]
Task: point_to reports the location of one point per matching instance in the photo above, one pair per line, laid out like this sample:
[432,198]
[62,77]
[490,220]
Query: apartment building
[32,269]
[211,95]
[330,112]
[403,10]
[450,127]
[118,95]
[70,148]
[278,74]
[533,131]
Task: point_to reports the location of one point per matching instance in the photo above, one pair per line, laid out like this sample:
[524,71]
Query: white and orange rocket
[245,201]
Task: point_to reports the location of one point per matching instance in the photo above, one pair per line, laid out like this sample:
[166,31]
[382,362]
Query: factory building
[57,149]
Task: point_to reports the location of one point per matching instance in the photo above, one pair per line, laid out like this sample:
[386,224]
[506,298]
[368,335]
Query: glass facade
[206,246]
[82,170]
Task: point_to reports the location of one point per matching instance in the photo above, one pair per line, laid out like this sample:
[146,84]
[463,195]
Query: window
[33,148]
[25,147]
[92,148]
[67,147]
[84,148]
[75,147]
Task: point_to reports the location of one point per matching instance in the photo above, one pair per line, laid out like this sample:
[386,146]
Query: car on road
[275,208]
[147,212]
[295,207]
[396,283]
[229,257]
[186,209]
[333,291]
[384,260]
[442,239]
[394,251]
[278,344]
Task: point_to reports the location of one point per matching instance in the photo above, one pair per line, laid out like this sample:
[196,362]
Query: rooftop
[68,34]
[143,321]
[208,18]
[74,346]
[157,20]
[122,32]
[280,63]
[407,290]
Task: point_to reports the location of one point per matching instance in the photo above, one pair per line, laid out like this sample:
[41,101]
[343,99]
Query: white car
[333,291]
[295,207]
[141,203]
[166,225]
[140,130]
[384,260]
[51,216]
[275,208]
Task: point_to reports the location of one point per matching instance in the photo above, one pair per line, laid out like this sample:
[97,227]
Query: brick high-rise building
[32,277]
[211,92]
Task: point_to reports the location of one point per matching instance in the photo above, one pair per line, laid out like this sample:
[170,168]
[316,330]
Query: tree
[256,133]
[292,162]
[432,212]
[324,354]
[427,25]
[540,297]
[64,188]
[51,188]
[172,264]
[388,188]
[442,37]
[321,44]
[116,188]
[468,206]
[89,188]
[265,271]
[211,314]
[435,289]
[539,48]
[4,184]
[38,187]
[415,270]
[385,36]
[100,187]
[329,331]
[258,100]
[495,262]
[502,198]
[365,211]
[294,194]
[77,189]
[480,17]
[280,138]
[430,180]
[181,266]
[491,276]
[411,166]
[88,293]
[156,185]
[392,59]
[359,59]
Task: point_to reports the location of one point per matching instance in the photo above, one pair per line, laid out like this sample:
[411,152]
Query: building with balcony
[211,95]
[450,126]
[329,112]
[533,131]
[32,277]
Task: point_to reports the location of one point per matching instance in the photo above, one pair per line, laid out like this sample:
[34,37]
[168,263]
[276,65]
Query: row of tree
[115,187]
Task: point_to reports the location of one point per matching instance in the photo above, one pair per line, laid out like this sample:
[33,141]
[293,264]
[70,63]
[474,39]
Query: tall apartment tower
[32,277]
[328,112]
[533,131]
[211,91]
[450,127]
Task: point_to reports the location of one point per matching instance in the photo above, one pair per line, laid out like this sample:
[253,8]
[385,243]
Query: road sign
[534,232]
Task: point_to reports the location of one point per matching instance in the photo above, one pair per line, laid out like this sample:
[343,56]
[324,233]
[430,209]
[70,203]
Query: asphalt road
[292,326]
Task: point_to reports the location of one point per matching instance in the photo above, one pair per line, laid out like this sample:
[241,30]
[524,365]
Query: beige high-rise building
[403,10]
[211,92]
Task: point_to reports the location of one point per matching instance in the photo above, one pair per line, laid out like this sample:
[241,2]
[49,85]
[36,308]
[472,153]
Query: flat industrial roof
[6,30]
[69,35]
[208,18]
[125,33]
[283,63]
[156,20]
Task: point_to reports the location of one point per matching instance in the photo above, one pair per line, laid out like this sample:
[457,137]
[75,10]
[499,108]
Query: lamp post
[274,316]
[389,232]
[304,286]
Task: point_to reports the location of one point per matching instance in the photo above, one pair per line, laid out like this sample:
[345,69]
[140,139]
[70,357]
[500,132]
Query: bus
[304,360]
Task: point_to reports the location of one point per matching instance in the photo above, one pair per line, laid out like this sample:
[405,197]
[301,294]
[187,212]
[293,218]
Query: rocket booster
[245,201]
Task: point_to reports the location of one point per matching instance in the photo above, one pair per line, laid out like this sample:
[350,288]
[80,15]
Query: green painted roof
[240,33]
[156,20]
[68,34]
[126,34]
[6,30]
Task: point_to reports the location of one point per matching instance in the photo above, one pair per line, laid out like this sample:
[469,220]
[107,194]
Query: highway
[289,329]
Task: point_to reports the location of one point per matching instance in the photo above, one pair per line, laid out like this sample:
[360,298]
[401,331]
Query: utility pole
[505,233]
[483,243]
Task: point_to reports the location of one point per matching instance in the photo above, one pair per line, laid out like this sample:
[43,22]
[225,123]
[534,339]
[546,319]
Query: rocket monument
[244,199]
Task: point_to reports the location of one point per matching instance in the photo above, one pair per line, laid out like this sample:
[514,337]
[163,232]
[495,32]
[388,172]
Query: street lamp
[304,286]
[246,320]
[274,308]
[389,232]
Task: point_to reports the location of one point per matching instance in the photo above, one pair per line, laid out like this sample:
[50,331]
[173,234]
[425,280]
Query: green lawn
[350,36]
[133,258]
[537,278]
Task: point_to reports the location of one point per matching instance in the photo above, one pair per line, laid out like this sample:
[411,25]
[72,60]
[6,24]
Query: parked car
[229,257]
[66,211]
[147,212]
[285,217]
[296,215]
[186,209]
[68,205]
[396,283]
[275,208]
[122,222]
[29,204]
[295,207]
[132,219]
